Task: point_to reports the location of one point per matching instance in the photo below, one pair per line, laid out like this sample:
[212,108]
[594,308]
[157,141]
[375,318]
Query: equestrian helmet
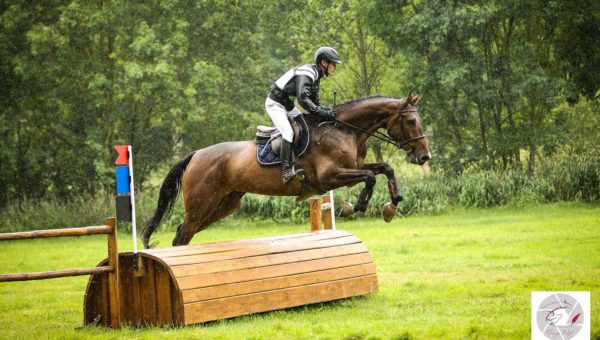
[327,53]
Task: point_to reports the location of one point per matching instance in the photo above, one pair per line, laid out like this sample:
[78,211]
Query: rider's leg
[278,115]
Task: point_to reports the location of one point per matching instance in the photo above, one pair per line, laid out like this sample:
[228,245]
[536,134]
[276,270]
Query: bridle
[405,141]
[381,136]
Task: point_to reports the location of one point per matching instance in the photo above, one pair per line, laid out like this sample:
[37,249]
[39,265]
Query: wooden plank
[327,216]
[219,278]
[113,276]
[148,288]
[240,244]
[104,300]
[126,290]
[137,309]
[260,250]
[224,244]
[177,303]
[163,295]
[83,231]
[53,274]
[315,214]
[256,286]
[92,300]
[278,299]
[267,260]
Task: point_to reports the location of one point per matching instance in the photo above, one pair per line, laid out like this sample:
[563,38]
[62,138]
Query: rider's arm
[304,88]
[304,91]
[315,95]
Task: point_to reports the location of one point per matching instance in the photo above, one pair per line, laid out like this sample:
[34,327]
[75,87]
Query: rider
[302,82]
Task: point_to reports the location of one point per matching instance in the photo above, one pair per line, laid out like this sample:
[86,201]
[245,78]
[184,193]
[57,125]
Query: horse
[215,179]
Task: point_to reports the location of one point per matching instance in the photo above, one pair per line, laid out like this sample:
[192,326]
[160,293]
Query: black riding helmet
[327,53]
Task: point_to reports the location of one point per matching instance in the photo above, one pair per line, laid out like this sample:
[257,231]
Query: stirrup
[288,173]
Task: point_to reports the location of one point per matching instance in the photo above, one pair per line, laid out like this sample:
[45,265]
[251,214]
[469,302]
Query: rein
[378,135]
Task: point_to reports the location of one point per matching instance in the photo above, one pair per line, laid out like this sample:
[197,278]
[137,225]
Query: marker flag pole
[125,195]
[132,186]
[331,191]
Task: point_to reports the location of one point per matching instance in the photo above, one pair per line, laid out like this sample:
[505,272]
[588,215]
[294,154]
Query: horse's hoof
[389,211]
[347,209]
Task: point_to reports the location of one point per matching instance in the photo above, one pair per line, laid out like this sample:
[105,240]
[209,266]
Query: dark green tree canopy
[504,83]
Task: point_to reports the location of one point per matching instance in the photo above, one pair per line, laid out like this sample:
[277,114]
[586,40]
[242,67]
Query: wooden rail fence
[110,229]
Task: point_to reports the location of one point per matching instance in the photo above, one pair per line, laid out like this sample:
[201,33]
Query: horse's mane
[356,101]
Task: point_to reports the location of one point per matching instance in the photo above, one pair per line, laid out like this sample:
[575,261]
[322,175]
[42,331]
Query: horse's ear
[415,99]
[409,99]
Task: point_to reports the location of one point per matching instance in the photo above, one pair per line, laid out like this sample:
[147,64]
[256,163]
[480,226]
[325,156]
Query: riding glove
[327,113]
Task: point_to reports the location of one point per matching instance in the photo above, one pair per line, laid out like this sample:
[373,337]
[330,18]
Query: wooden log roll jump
[206,282]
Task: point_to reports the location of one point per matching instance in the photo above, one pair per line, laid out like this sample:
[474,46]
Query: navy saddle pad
[265,154]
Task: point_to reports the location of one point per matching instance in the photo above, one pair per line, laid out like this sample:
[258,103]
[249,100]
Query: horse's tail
[169,191]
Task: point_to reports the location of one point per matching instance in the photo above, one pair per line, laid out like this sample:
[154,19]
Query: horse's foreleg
[388,171]
[352,177]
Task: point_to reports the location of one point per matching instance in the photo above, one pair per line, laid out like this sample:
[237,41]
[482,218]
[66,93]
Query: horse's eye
[412,122]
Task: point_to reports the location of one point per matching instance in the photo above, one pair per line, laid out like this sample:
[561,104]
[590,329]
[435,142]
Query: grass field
[466,274]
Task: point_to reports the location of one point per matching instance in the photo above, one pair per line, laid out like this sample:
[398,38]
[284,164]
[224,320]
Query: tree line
[504,83]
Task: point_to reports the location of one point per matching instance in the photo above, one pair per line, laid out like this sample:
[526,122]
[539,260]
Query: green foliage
[571,176]
[489,72]
[78,211]
[508,87]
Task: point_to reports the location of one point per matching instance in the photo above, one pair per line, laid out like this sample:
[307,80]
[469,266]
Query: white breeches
[279,115]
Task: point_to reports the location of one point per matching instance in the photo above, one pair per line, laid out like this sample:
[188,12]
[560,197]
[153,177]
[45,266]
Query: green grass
[464,274]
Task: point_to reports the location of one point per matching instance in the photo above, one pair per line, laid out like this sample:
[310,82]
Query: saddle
[268,141]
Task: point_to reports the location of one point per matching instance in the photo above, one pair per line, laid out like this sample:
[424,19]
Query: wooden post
[315,214]
[327,216]
[113,276]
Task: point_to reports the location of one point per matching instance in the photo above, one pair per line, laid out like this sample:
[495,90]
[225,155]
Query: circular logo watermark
[560,316]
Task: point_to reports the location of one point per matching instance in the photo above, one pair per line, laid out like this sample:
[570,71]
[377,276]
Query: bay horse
[215,179]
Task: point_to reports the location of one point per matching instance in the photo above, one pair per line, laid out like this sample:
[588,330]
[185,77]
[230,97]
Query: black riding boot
[288,170]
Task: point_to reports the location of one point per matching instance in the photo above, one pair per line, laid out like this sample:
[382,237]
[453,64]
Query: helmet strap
[325,68]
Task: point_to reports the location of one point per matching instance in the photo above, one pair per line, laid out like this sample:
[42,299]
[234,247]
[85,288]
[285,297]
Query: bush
[79,211]
[571,176]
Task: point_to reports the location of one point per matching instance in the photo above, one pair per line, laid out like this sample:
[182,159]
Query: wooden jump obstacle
[205,282]
[321,213]
[110,269]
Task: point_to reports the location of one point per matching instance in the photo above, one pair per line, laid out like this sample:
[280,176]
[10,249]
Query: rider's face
[330,67]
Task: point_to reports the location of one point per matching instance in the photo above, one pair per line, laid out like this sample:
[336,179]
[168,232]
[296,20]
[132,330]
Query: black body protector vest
[302,82]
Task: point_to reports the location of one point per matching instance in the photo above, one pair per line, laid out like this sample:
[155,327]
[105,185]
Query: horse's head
[404,127]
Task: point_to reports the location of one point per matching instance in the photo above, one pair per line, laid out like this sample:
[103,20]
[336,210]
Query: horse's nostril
[425,158]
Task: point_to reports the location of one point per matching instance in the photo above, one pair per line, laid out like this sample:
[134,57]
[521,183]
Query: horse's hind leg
[229,204]
[196,221]
[178,233]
